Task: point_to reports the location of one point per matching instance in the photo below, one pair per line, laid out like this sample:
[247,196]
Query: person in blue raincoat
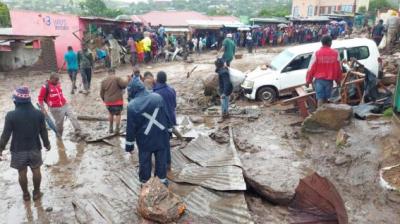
[149,126]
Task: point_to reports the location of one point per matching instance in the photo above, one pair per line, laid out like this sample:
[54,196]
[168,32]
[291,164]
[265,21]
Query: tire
[267,94]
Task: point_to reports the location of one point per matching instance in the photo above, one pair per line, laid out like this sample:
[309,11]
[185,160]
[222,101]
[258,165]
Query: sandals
[26,197]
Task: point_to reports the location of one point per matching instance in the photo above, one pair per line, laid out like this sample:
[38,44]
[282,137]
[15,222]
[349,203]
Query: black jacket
[225,85]
[24,124]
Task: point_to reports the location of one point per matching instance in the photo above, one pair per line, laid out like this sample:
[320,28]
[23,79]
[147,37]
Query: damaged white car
[289,68]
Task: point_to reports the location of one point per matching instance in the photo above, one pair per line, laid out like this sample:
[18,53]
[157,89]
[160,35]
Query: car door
[295,72]
[362,54]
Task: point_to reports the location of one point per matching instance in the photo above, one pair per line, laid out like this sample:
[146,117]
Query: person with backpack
[111,92]
[225,87]
[85,62]
[52,94]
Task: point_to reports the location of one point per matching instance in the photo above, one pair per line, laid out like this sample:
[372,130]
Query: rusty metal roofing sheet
[117,202]
[222,178]
[207,153]
[225,207]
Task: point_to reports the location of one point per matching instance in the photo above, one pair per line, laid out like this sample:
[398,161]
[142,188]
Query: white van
[289,68]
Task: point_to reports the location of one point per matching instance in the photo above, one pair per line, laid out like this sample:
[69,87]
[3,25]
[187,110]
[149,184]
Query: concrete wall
[300,8]
[43,23]
[19,57]
[36,59]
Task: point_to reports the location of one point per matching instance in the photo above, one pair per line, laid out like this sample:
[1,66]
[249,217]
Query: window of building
[333,8]
[296,11]
[329,10]
[321,10]
[310,11]
[316,11]
[347,8]
[358,53]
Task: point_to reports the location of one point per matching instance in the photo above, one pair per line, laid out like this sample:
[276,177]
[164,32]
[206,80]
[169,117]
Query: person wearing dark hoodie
[25,125]
[149,126]
[225,87]
[169,95]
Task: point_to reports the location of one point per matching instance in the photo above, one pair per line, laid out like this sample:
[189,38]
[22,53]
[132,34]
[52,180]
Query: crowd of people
[151,43]
[282,34]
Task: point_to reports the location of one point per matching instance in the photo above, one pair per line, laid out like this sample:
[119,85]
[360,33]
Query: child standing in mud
[111,92]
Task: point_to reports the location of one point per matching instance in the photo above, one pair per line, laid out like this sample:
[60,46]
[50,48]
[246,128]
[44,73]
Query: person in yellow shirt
[140,50]
[147,48]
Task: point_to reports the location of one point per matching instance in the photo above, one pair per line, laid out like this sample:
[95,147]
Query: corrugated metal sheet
[223,178]
[207,152]
[225,207]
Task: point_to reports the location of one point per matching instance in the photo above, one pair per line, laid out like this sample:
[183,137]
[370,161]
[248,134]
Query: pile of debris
[391,63]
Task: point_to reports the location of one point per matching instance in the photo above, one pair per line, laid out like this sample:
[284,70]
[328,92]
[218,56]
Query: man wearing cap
[229,48]
[149,126]
[52,94]
[25,125]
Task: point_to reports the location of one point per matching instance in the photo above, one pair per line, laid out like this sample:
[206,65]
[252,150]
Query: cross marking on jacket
[152,120]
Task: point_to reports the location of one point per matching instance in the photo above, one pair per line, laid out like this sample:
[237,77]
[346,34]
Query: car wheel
[267,94]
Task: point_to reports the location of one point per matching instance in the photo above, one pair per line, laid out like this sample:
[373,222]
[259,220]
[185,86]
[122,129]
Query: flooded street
[81,181]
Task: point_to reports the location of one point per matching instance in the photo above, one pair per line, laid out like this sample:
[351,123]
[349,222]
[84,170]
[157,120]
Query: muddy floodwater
[76,172]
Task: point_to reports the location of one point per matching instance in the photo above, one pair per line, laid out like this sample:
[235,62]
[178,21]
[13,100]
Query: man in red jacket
[324,68]
[51,93]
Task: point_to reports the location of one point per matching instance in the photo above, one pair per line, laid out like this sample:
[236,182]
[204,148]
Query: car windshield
[281,60]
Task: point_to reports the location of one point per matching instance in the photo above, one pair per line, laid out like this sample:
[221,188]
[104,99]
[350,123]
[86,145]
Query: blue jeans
[224,104]
[323,89]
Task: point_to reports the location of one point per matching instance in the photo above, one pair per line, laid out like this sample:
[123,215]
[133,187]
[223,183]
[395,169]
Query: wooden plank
[300,91]
[285,102]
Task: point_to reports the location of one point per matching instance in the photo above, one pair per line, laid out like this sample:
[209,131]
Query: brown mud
[100,173]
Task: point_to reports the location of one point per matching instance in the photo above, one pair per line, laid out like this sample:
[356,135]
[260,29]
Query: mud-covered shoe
[26,196]
[111,130]
[36,195]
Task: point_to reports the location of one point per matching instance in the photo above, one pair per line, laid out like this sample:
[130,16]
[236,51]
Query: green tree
[218,12]
[5,20]
[362,9]
[277,11]
[379,5]
[98,8]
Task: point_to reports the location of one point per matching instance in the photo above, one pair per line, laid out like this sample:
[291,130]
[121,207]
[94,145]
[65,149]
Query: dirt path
[81,173]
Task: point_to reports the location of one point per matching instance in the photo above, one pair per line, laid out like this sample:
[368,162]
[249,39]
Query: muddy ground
[76,171]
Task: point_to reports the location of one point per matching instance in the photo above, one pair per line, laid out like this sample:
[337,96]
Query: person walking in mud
[25,125]
[85,63]
[225,87]
[148,124]
[229,49]
[324,68]
[51,94]
[71,59]
[111,92]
